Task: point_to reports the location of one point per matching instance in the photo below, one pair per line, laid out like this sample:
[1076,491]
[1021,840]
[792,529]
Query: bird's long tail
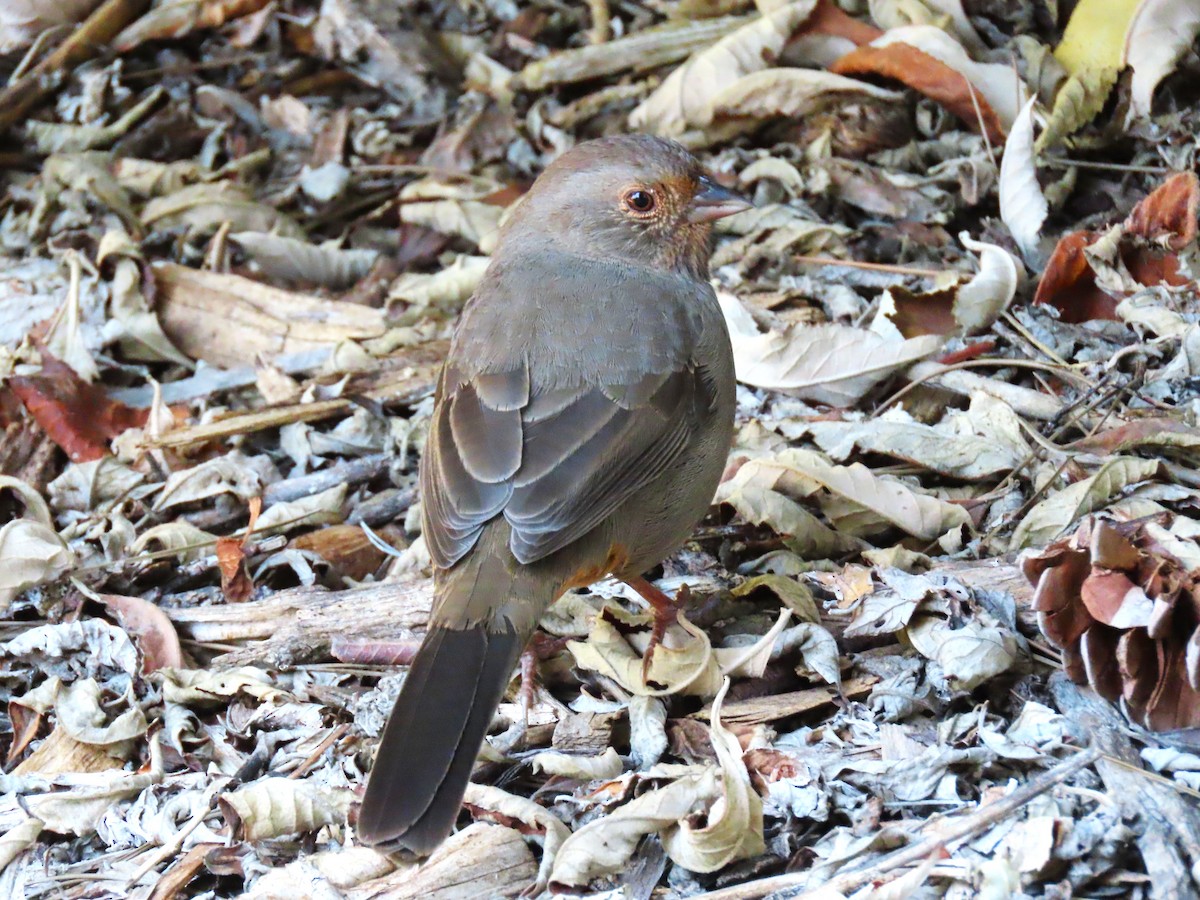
[434,734]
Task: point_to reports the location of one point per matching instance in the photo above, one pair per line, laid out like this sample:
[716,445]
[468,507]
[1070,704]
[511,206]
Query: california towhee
[581,426]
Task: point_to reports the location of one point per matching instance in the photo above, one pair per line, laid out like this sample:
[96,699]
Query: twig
[601,21]
[109,19]
[1112,167]
[953,829]
[974,363]
[870,266]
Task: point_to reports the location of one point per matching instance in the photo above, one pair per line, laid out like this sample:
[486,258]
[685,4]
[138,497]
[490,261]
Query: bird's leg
[665,610]
[541,646]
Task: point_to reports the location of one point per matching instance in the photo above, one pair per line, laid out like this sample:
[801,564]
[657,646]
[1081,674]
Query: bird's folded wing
[555,463]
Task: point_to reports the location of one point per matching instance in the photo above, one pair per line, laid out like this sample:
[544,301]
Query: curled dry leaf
[983,95]
[684,663]
[1023,206]
[81,716]
[787,94]
[151,630]
[920,515]
[951,453]
[762,494]
[1165,218]
[1061,509]
[982,299]
[967,308]
[205,688]
[77,809]
[273,807]
[180,538]
[734,829]
[533,816]
[1160,32]
[448,288]
[30,553]
[733,826]
[1120,600]
[686,98]
[833,364]
[552,762]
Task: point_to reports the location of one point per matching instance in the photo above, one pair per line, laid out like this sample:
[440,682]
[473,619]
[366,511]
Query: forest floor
[942,638]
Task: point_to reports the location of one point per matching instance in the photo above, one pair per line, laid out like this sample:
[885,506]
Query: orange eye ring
[640,201]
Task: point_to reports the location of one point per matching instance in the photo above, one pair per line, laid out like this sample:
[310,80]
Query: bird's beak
[712,202]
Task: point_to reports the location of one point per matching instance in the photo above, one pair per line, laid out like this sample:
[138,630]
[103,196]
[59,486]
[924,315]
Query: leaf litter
[942,637]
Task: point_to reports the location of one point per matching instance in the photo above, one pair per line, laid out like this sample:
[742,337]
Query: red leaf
[80,417]
[153,631]
[1169,212]
[927,75]
[236,584]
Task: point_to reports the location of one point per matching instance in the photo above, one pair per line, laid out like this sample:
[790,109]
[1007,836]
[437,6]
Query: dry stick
[971,364]
[958,828]
[109,19]
[872,267]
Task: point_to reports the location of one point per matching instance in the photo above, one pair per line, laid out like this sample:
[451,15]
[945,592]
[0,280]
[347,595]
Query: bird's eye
[639,200]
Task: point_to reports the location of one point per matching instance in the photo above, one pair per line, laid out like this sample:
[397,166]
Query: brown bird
[581,426]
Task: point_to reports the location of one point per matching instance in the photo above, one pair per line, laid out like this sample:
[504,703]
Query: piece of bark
[299,625]
[481,861]
[1168,825]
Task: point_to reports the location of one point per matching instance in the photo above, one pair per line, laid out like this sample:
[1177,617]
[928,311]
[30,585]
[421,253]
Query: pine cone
[1122,602]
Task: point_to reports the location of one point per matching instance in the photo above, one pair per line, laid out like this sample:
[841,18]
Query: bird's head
[634,198]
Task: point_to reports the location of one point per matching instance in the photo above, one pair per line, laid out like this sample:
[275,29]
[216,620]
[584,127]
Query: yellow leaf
[1095,37]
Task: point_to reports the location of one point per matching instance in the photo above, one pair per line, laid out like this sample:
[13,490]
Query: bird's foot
[665,610]
[541,646]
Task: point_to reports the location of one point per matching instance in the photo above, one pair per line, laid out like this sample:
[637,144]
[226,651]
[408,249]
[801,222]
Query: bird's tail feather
[434,734]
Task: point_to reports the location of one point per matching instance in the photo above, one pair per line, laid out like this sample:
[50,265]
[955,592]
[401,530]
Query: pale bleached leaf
[981,300]
[30,553]
[273,807]
[1023,206]
[586,768]
[920,515]
[734,828]
[789,93]
[1159,34]
[685,98]
[966,456]
[1052,516]
[829,363]
[295,260]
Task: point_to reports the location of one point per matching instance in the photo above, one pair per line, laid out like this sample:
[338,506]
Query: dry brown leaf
[930,76]
[78,416]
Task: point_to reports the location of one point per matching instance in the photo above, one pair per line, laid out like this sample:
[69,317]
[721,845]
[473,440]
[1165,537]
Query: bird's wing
[555,461]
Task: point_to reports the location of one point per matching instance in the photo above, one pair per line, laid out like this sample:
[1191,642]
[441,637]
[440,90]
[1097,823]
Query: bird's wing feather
[557,459]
